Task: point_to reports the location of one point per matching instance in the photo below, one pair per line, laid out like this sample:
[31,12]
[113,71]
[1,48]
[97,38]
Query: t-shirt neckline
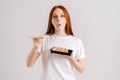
[62,37]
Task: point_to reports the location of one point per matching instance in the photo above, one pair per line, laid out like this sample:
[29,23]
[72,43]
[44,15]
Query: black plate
[63,53]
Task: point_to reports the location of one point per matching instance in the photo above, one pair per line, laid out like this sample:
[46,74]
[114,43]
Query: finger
[38,41]
[35,37]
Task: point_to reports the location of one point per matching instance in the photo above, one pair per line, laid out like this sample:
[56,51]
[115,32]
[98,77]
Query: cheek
[64,21]
[53,22]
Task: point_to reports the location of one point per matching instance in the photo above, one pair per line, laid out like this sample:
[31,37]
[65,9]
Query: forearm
[78,64]
[32,57]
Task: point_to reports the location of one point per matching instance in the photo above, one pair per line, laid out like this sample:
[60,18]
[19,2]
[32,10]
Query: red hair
[68,28]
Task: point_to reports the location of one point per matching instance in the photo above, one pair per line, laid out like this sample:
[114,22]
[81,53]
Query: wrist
[71,58]
[35,47]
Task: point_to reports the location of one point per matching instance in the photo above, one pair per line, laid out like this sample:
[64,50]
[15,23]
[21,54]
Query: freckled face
[58,19]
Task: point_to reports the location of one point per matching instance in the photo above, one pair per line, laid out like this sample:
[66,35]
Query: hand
[37,41]
[68,57]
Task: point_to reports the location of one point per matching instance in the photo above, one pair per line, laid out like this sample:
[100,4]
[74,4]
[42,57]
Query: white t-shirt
[56,67]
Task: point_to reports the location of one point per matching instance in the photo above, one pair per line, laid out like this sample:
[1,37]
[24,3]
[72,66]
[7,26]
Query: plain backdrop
[96,22]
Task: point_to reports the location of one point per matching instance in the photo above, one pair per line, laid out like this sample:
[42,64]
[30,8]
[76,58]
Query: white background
[96,22]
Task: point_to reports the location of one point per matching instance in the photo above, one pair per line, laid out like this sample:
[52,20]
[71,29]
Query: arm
[34,54]
[32,57]
[78,64]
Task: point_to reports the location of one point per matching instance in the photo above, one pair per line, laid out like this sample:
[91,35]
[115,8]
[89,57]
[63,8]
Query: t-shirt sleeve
[80,52]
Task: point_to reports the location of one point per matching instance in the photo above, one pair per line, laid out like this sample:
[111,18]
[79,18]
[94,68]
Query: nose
[58,18]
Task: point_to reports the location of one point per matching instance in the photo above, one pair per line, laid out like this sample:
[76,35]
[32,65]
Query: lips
[58,25]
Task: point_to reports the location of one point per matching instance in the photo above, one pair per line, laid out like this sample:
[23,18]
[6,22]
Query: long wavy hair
[68,27]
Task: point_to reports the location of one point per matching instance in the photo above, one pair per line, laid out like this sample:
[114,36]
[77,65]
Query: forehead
[58,11]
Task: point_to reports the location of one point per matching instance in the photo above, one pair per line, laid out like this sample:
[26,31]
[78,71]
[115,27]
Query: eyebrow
[60,14]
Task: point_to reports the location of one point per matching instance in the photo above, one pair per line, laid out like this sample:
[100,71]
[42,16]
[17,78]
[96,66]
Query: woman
[57,66]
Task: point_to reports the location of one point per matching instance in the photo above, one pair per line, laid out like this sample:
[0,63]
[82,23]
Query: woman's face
[58,20]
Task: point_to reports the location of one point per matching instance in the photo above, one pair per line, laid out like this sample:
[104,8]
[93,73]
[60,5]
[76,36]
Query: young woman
[57,66]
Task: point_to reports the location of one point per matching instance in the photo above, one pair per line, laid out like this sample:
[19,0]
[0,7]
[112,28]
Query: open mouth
[58,25]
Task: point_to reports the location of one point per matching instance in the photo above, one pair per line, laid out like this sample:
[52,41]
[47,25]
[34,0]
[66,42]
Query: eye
[62,15]
[55,16]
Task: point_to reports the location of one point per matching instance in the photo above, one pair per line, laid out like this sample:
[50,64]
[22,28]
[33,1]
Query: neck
[61,33]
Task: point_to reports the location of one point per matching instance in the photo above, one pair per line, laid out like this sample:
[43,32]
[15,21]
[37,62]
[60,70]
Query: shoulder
[78,39]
